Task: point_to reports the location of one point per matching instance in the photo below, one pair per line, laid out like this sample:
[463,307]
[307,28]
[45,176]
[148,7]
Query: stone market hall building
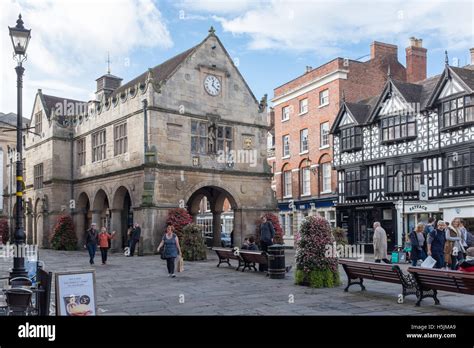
[406,154]
[186,129]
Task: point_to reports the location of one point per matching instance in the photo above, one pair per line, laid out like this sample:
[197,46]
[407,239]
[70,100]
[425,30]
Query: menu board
[75,293]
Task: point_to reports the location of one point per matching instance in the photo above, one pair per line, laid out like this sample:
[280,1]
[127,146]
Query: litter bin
[276,261]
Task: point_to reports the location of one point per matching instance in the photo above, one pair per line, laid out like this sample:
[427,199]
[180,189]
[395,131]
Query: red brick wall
[365,79]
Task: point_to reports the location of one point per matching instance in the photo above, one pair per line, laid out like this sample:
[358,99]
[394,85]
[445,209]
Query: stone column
[96,214]
[238,240]
[116,225]
[216,228]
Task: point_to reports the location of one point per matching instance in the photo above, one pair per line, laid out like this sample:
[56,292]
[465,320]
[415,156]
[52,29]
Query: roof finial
[446,59]
[212,30]
[389,73]
[343,96]
[108,62]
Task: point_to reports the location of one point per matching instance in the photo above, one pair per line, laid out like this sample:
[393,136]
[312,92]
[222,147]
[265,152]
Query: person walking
[91,241]
[136,232]
[418,244]
[435,243]
[453,248]
[380,243]
[464,236]
[104,238]
[170,242]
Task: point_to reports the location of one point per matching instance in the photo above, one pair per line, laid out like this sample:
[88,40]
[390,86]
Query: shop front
[459,208]
[358,221]
[293,212]
[415,213]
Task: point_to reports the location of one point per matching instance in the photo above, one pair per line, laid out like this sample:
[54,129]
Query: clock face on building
[212,85]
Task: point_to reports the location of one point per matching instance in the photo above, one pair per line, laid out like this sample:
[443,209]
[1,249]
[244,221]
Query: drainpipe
[145,127]
[71,135]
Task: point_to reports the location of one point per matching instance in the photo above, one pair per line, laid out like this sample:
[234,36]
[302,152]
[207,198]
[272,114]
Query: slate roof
[160,72]
[467,75]
[10,119]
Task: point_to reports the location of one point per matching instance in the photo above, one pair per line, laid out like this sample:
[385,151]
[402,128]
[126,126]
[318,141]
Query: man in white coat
[380,243]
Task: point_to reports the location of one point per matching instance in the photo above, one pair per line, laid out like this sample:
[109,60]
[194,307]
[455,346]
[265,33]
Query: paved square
[140,286]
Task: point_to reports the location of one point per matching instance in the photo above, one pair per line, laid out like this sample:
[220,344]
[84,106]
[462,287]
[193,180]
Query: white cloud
[323,26]
[217,6]
[71,38]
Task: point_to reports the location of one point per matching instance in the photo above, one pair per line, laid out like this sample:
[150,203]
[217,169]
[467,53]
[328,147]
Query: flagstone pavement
[140,286]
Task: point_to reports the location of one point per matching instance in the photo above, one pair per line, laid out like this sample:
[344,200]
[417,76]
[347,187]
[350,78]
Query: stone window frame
[38,176]
[225,138]
[199,137]
[120,138]
[39,122]
[99,142]
[81,151]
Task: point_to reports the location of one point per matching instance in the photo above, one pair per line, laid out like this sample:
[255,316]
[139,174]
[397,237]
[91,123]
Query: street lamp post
[403,203]
[20,38]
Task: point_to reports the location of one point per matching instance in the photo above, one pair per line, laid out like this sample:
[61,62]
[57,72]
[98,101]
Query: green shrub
[313,267]
[192,243]
[64,237]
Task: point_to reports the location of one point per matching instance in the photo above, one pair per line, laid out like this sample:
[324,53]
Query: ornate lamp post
[402,172]
[20,39]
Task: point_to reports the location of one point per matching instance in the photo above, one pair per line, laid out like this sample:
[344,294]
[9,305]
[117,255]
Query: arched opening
[100,210]
[213,208]
[122,217]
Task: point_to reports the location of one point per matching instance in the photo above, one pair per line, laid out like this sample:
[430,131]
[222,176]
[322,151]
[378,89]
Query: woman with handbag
[171,249]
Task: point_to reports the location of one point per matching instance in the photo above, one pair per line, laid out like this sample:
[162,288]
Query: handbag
[180,264]
[163,252]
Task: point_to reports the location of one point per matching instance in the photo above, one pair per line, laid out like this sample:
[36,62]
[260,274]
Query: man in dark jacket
[136,232]
[267,232]
[91,241]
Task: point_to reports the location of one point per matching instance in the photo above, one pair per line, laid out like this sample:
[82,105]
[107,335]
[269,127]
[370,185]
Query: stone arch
[101,209]
[217,195]
[231,192]
[121,216]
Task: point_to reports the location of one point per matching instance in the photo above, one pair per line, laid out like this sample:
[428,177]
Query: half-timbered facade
[406,154]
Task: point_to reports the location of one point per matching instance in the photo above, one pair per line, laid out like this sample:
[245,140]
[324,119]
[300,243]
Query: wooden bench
[250,258]
[225,254]
[429,281]
[377,271]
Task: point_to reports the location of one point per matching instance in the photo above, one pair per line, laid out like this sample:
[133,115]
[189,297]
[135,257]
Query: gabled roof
[409,91]
[160,72]
[358,111]
[50,102]
[464,75]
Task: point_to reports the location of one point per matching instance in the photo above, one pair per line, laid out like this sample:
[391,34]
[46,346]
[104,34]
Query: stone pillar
[116,225]
[96,214]
[80,228]
[238,235]
[216,228]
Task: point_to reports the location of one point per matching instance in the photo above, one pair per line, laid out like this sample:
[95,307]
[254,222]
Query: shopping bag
[180,264]
[428,263]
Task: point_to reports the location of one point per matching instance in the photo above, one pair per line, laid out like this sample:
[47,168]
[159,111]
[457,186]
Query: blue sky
[271,41]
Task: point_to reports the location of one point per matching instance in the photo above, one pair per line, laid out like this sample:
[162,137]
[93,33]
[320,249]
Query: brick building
[304,111]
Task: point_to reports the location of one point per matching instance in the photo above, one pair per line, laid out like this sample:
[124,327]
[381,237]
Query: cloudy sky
[271,41]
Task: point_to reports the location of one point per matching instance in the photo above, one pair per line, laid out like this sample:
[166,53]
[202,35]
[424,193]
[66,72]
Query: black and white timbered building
[405,155]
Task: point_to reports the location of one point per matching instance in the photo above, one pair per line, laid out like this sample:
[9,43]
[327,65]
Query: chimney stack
[383,50]
[472,55]
[308,68]
[416,60]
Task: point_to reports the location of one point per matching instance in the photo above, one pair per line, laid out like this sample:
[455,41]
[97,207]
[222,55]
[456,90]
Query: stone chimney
[416,60]
[472,55]
[383,50]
